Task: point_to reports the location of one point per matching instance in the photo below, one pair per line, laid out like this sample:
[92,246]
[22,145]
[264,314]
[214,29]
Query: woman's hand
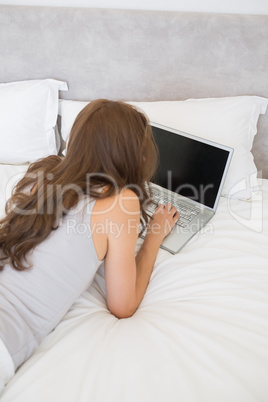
[163,220]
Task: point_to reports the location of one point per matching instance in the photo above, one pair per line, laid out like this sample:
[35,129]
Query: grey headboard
[139,55]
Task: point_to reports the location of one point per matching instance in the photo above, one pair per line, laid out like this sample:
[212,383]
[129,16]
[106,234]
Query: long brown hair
[111,145]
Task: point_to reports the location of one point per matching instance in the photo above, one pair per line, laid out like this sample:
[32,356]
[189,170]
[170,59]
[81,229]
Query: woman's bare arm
[127,277]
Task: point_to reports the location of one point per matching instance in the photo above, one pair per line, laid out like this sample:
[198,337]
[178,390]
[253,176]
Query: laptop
[190,176]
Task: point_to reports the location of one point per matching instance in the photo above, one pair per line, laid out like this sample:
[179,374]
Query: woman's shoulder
[123,203]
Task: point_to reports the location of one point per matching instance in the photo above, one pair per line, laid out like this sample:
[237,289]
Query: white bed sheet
[200,334]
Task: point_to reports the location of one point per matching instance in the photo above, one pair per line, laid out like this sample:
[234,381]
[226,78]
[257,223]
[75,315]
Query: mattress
[199,335]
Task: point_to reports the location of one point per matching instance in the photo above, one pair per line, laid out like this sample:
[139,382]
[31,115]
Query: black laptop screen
[189,167]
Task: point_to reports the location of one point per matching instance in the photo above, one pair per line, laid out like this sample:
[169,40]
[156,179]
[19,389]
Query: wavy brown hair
[111,146]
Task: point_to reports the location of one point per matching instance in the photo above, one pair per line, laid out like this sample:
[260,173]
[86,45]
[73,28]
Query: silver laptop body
[191,175]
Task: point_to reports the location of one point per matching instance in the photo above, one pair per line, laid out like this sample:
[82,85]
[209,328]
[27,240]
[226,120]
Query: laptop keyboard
[187,212]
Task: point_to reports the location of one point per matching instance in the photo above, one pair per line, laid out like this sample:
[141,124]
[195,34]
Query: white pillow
[68,110]
[28,115]
[231,121]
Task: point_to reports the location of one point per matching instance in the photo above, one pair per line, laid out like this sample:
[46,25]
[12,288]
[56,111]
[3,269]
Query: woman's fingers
[169,210]
[159,208]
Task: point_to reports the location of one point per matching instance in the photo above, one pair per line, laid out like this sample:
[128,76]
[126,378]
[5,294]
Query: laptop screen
[190,167]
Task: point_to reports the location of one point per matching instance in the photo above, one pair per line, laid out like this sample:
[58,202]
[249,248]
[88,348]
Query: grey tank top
[63,266]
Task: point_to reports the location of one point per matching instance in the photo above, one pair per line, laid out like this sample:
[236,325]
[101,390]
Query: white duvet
[199,335]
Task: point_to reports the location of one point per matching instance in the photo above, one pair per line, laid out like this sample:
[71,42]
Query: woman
[69,214]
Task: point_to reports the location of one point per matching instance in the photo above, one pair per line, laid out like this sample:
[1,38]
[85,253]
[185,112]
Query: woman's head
[111,145]
[114,139]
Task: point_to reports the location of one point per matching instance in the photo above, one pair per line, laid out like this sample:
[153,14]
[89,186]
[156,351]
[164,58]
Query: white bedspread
[200,334]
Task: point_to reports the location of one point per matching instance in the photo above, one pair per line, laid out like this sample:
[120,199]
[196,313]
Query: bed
[201,331]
